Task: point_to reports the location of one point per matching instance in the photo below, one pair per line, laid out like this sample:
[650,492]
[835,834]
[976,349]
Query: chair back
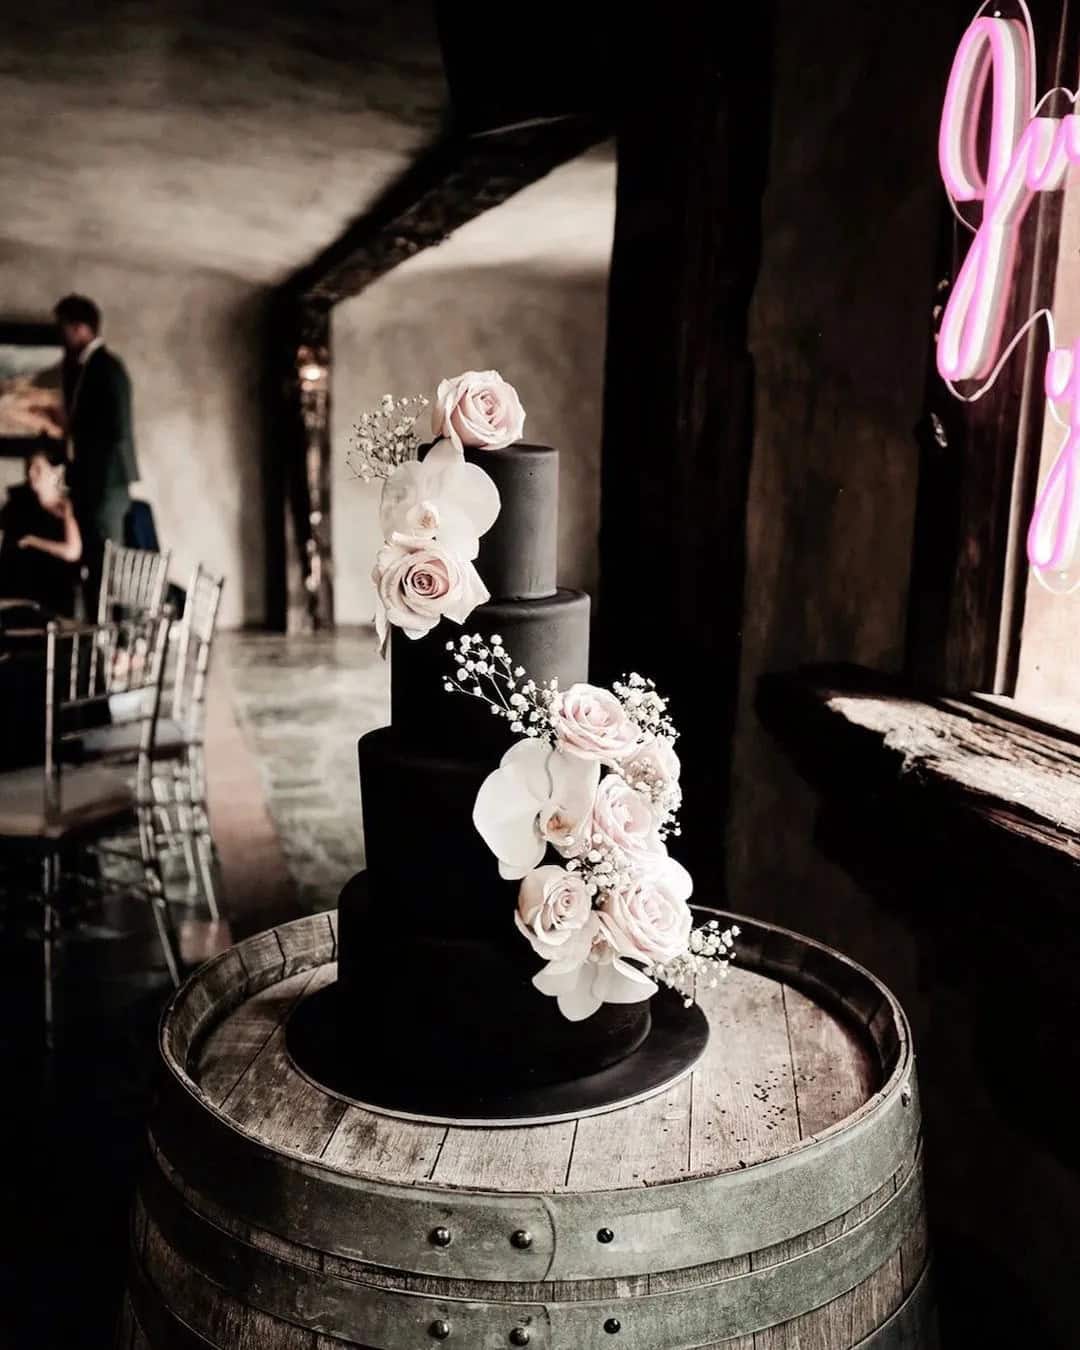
[193,651]
[133,580]
[89,668]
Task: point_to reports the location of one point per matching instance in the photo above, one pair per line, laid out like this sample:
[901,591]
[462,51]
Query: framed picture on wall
[31,361]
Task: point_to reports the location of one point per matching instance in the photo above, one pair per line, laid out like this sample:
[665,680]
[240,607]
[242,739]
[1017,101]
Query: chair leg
[156,892]
[185,821]
[49,881]
[200,821]
[162,803]
[205,848]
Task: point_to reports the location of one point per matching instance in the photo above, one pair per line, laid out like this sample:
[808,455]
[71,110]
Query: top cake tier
[518,555]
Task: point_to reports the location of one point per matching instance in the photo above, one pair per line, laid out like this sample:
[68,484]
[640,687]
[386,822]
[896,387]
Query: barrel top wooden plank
[776,1058]
[278,1105]
[381,1146]
[535,1158]
[833,1071]
[656,1148]
[232,1045]
[743,1107]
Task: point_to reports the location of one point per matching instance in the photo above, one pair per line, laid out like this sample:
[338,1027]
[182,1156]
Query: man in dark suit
[101,444]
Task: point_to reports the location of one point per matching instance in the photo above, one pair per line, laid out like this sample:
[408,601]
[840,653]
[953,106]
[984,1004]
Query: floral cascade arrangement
[433,511]
[594,778]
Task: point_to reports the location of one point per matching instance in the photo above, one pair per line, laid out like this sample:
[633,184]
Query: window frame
[979,462]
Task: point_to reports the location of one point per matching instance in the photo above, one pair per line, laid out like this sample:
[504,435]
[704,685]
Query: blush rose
[624,820]
[418,581]
[592,724]
[647,922]
[478,409]
[555,913]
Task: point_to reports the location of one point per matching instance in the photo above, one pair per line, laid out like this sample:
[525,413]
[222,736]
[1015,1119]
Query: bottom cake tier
[463,1011]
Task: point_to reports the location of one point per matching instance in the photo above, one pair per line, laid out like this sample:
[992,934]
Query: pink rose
[624,820]
[478,409]
[418,581]
[592,724]
[555,913]
[655,764]
[647,922]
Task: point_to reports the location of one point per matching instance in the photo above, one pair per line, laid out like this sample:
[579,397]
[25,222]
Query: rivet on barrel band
[440,1330]
[522,1239]
[605,1235]
[612,1325]
[441,1237]
[519,1336]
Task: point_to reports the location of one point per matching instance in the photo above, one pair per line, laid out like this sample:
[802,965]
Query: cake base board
[320,1052]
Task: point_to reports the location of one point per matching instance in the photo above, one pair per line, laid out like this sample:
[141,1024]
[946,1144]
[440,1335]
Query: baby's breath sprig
[709,953]
[484,669]
[602,867]
[386,437]
[642,703]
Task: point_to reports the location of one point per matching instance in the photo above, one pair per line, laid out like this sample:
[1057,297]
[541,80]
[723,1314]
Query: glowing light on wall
[1027,154]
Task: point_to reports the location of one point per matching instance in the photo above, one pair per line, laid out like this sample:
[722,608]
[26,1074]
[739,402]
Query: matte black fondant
[463,1009]
[517,557]
[549,638]
[328,1042]
[423,851]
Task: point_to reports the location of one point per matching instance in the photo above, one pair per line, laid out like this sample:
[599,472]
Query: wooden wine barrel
[773,1199]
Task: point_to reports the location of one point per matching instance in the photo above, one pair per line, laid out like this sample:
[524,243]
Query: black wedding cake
[434,981]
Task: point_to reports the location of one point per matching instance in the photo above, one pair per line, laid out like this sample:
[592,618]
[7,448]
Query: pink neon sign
[1027,154]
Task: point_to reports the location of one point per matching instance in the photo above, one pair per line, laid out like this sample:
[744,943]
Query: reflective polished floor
[284,717]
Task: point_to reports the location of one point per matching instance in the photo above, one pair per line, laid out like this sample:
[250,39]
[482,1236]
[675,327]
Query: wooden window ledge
[971,771]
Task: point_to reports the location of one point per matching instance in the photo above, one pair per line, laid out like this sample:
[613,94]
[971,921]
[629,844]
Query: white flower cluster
[602,866]
[386,437]
[484,670]
[709,953]
[664,794]
[593,780]
[640,699]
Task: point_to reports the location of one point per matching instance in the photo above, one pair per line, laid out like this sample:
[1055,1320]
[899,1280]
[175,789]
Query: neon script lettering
[1027,154]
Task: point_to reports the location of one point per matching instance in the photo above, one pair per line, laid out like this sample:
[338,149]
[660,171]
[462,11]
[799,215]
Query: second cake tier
[549,638]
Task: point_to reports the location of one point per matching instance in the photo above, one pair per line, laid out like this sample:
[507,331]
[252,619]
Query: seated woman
[41,546]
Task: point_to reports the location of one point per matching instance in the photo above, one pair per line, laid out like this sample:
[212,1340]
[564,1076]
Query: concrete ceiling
[238,136]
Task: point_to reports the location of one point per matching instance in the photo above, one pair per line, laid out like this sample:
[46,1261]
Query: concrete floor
[283,720]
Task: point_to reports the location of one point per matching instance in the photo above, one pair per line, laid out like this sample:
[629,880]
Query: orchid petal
[619,982]
[572,988]
[573,784]
[579,1003]
[513,872]
[528,759]
[399,492]
[507,806]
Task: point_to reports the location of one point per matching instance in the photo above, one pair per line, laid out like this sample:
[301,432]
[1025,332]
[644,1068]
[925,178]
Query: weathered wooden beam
[678,403]
[448,185]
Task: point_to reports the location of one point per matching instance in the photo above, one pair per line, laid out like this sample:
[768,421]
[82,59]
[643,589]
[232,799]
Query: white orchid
[440,497]
[603,977]
[536,796]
